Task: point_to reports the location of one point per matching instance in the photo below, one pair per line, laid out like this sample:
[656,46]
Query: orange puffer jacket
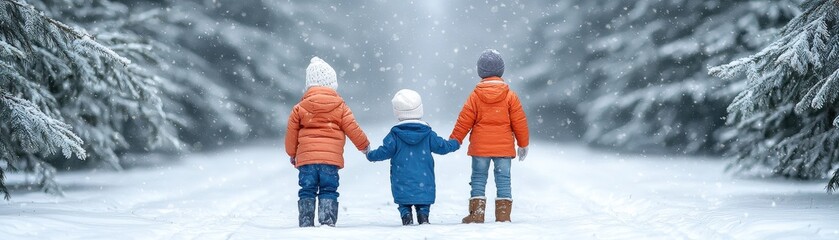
[318,127]
[493,114]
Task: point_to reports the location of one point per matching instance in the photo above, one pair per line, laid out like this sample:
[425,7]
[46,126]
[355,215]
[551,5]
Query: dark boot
[306,207]
[328,212]
[477,206]
[503,207]
[407,219]
[422,218]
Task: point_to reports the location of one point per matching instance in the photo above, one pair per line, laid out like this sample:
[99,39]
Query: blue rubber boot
[306,207]
[328,212]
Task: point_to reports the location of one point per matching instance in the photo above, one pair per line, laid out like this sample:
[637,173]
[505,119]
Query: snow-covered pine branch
[35,131]
[786,117]
[30,131]
[730,70]
[53,70]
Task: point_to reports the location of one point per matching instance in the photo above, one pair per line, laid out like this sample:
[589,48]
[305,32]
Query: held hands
[522,153]
[293,161]
[366,151]
[455,140]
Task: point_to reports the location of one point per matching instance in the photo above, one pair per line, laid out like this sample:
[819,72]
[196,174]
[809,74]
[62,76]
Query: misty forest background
[89,83]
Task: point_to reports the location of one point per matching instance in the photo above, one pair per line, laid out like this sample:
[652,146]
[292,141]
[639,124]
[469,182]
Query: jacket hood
[411,133]
[492,90]
[321,100]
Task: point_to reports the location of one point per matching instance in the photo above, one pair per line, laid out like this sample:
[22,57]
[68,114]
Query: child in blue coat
[409,146]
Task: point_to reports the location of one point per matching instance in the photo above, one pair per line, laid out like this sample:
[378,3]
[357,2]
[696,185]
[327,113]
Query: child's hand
[522,153]
[293,161]
[455,142]
[366,150]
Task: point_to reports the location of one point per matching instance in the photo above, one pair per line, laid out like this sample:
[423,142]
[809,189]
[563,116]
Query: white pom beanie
[320,74]
[407,104]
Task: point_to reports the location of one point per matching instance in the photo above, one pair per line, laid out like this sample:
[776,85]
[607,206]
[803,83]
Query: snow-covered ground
[560,192]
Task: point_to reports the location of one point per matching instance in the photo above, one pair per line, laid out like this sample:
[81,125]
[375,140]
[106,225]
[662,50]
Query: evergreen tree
[232,68]
[786,115]
[635,71]
[656,94]
[222,70]
[61,90]
[555,60]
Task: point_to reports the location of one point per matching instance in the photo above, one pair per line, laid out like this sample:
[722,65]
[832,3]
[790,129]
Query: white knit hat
[407,104]
[320,74]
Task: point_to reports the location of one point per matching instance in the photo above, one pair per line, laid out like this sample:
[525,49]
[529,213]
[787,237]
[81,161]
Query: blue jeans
[480,168]
[318,180]
[405,209]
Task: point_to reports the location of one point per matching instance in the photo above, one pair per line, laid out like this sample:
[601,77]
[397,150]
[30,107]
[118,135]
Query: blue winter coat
[409,146]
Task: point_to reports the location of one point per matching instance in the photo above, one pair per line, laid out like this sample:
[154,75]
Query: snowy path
[561,192]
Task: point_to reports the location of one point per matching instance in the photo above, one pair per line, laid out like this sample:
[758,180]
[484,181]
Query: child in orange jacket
[315,137]
[494,115]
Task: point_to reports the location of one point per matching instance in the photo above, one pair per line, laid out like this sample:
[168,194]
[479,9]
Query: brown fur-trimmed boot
[477,207]
[503,207]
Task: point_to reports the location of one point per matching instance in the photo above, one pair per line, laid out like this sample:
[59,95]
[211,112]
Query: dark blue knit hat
[490,64]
